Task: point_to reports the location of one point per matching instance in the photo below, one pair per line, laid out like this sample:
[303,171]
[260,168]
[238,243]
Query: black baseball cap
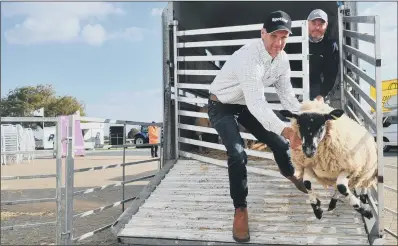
[278,20]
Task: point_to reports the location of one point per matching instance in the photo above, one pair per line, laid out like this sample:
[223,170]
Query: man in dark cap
[237,95]
[324,55]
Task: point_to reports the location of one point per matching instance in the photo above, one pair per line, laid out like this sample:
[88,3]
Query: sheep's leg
[309,176]
[363,196]
[299,172]
[342,187]
[333,201]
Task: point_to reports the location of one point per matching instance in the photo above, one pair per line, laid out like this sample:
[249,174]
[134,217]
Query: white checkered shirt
[244,76]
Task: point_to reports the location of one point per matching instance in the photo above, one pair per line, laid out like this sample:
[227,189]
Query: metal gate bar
[58,175]
[67,234]
[178,99]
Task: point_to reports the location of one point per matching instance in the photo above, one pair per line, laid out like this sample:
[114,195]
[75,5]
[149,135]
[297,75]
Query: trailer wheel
[139,140]
[386,148]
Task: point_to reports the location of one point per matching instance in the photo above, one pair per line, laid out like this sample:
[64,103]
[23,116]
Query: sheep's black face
[312,128]
[312,131]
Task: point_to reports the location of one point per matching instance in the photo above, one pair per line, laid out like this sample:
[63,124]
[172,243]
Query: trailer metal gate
[182,82]
[189,203]
[351,96]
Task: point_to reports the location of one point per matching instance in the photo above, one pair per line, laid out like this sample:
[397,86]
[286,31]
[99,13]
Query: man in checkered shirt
[237,95]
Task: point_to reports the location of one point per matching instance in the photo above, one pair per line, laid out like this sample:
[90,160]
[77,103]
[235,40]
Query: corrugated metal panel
[193,203]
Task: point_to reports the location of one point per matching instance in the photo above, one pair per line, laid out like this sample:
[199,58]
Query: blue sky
[114,49]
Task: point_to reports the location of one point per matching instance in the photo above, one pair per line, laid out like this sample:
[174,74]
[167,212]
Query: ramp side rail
[350,75]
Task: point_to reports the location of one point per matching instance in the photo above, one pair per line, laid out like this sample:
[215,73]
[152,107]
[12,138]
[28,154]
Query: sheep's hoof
[332,204]
[364,198]
[317,209]
[318,213]
[367,213]
[364,212]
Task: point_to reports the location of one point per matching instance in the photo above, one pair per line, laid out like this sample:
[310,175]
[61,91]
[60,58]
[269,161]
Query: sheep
[336,151]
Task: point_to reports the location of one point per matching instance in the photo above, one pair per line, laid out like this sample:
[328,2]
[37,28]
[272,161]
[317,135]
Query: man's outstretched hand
[320,98]
[289,134]
[295,142]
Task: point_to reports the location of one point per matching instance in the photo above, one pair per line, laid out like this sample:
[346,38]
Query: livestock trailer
[44,137]
[188,201]
[93,135]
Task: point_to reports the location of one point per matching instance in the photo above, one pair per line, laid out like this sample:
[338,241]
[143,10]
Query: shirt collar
[264,53]
[315,40]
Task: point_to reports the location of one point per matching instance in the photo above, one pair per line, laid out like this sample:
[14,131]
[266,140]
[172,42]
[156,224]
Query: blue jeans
[315,90]
[224,118]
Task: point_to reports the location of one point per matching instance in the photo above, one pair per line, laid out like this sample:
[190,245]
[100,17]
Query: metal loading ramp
[192,203]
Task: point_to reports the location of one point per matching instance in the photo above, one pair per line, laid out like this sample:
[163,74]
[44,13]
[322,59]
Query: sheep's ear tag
[335,114]
[287,114]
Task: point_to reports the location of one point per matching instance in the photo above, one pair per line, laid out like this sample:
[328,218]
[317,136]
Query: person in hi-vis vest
[153,132]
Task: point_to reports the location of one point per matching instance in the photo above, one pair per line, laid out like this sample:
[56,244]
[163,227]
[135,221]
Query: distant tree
[64,105]
[22,101]
[132,132]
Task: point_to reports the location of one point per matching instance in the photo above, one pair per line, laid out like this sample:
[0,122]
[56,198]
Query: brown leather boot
[298,183]
[240,230]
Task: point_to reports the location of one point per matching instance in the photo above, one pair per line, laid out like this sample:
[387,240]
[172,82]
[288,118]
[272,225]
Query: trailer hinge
[167,90]
[67,140]
[65,235]
[380,179]
[173,23]
[378,62]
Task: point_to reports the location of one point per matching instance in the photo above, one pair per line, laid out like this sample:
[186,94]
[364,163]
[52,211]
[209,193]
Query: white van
[390,131]
[390,127]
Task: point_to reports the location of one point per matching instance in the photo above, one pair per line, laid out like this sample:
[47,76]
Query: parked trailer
[188,201]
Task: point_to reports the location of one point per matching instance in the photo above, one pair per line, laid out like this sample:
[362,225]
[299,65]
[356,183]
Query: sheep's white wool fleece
[347,146]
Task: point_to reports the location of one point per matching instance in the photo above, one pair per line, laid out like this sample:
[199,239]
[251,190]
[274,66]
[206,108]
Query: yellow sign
[389,88]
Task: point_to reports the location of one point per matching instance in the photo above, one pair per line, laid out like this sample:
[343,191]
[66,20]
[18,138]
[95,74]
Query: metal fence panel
[67,233]
[180,96]
[22,146]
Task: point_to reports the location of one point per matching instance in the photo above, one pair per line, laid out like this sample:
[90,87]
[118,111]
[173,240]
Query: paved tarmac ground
[43,188]
[44,212]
